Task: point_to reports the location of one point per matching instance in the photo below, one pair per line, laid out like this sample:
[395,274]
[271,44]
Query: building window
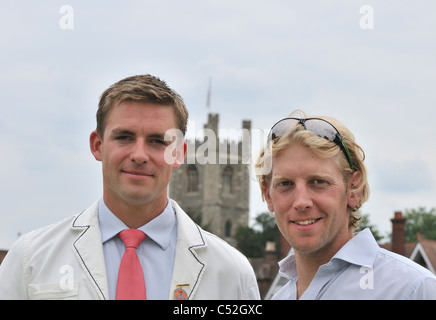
[192,178]
[228,229]
[227,179]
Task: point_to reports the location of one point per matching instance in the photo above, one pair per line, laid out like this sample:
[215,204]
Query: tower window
[227,179]
[228,229]
[192,178]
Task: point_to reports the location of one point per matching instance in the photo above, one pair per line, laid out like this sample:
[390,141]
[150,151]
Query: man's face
[310,200]
[132,153]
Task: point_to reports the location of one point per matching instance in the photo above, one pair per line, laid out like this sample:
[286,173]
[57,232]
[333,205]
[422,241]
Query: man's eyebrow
[117,132]
[324,176]
[279,177]
[156,135]
[309,177]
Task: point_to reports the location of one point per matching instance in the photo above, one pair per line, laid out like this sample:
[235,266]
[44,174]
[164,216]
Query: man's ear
[180,154]
[354,190]
[95,143]
[268,198]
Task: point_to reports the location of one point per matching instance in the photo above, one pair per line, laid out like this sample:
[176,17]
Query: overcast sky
[375,73]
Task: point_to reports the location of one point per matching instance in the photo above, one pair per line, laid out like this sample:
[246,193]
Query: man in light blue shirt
[362,270]
[312,176]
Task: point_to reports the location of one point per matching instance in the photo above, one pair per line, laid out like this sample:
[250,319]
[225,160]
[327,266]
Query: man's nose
[302,198]
[140,152]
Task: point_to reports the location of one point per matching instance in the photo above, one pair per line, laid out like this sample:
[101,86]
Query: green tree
[198,219]
[251,241]
[365,223]
[420,220]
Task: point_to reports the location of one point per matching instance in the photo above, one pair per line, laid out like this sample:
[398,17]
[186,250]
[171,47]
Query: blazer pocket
[52,291]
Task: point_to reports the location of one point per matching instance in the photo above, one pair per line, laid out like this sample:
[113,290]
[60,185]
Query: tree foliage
[251,241]
[365,223]
[420,220]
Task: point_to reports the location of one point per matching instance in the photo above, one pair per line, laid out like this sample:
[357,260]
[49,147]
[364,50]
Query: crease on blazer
[188,265]
[92,262]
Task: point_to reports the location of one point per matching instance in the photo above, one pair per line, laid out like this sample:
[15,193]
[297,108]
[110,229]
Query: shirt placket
[324,275]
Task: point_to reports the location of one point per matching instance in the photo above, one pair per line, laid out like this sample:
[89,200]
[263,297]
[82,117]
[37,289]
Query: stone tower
[212,185]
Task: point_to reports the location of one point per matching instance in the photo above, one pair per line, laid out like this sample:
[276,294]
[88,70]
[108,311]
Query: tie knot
[132,237]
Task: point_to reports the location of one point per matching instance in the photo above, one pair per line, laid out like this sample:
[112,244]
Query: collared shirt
[361,270]
[156,253]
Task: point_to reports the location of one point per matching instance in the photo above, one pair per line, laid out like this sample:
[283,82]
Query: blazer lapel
[88,248]
[188,265]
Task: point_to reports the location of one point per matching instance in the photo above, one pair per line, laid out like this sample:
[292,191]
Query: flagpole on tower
[208,94]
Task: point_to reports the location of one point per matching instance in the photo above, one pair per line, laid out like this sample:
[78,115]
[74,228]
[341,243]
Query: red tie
[131,285]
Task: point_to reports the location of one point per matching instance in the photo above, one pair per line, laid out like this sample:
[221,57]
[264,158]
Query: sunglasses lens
[321,128]
[281,128]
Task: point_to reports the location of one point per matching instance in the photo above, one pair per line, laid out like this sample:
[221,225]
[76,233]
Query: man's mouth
[137,173]
[306,222]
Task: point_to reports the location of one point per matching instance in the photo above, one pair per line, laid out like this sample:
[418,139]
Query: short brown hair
[141,88]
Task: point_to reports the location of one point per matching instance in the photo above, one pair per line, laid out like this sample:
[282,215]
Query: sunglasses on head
[320,127]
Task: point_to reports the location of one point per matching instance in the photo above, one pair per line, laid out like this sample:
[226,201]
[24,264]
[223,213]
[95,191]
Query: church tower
[212,185]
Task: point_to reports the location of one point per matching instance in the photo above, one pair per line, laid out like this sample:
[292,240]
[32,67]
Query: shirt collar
[159,229]
[361,250]
[288,267]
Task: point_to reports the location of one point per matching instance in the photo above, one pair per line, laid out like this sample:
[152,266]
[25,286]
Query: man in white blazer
[79,257]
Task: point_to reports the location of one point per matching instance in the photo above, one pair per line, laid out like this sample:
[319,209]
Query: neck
[308,263]
[135,215]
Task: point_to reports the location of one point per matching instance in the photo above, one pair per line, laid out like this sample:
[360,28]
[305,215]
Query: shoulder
[46,234]
[413,280]
[32,249]
[222,247]
[228,268]
[402,265]
[207,245]
[52,235]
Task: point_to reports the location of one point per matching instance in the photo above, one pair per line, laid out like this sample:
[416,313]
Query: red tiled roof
[408,247]
[2,255]
[429,247]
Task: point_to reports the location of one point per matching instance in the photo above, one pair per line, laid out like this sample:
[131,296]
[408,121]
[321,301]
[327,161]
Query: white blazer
[65,261]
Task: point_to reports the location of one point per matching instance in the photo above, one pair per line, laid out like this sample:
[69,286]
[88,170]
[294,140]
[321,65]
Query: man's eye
[283,184]
[124,138]
[158,141]
[319,182]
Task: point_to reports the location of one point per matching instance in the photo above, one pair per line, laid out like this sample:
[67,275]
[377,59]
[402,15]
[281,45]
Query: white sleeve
[12,274]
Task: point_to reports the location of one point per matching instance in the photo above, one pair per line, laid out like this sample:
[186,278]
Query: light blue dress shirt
[361,270]
[156,253]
